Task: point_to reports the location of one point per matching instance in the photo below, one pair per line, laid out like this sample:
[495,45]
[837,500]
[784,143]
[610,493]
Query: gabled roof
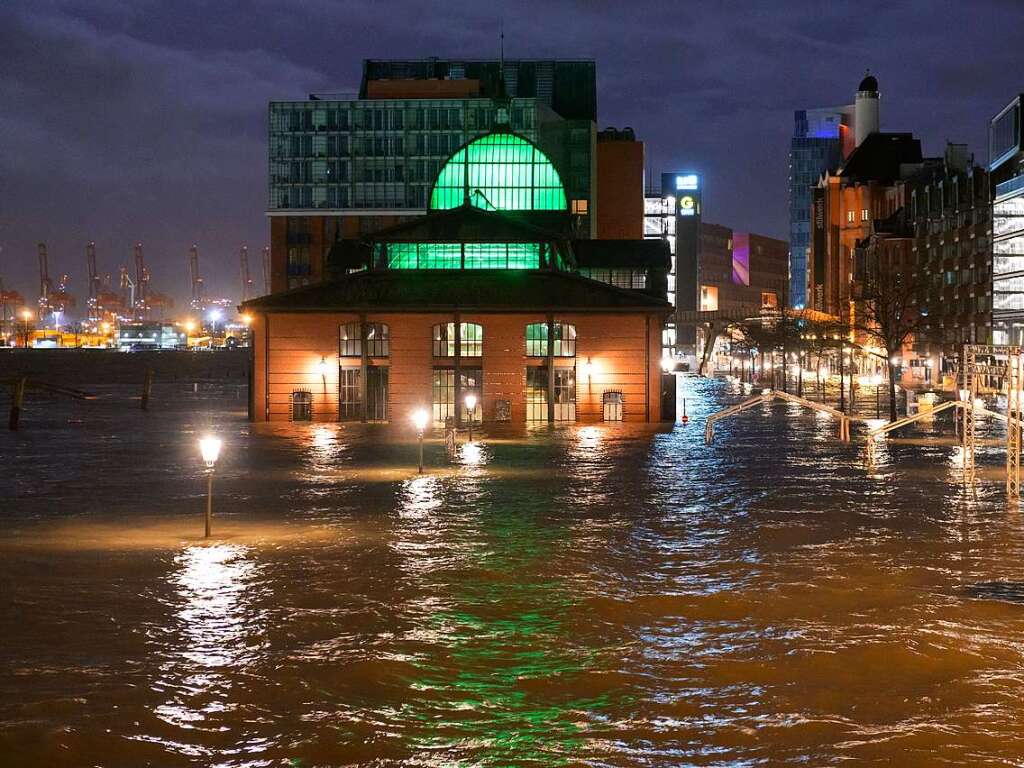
[464,290]
[610,254]
[879,157]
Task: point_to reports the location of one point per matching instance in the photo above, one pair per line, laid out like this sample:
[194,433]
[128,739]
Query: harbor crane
[243,257]
[62,299]
[94,283]
[127,292]
[195,279]
[140,305]
[45,284]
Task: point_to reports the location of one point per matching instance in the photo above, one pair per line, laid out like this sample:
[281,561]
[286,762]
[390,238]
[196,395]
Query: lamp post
[209,446]
[26,315]
[470,408]
[419,420]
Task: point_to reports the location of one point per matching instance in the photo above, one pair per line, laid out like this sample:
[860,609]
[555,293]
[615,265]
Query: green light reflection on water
[504,692]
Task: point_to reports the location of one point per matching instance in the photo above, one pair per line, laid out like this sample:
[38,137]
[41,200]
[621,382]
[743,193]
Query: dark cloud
[129,120]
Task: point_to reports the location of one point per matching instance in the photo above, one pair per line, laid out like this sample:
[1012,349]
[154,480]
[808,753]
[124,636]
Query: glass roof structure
[499,172]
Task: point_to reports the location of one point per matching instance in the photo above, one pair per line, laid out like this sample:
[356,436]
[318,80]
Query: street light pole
[209,446]
[471,407]
[419,420]
[209,500]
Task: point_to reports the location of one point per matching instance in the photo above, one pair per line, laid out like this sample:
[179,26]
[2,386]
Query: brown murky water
[585,596]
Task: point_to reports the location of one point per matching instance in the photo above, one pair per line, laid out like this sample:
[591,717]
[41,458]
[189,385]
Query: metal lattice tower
[967,413]
[1013,419]
[1011,373]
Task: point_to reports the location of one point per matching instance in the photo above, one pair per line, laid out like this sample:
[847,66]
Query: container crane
[196,280]
[108,302]
[94,283]
[243,257]
[62,299]
[141,285]
[127,293]
[45,285]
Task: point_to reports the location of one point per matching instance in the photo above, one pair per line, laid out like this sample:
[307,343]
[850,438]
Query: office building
[817,148]
[342,166]
[1006,172]
[938,233]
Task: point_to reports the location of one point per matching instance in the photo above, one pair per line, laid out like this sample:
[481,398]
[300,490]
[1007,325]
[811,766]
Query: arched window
[472,340]
[301,405]
[377,340]
[564,342]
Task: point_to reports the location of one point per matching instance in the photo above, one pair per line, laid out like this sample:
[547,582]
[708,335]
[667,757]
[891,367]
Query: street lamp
[419,420]
[209,446]
[26,315]
[470,408]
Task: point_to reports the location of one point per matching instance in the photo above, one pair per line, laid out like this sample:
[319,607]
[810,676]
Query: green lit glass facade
[459,255]
[499,172]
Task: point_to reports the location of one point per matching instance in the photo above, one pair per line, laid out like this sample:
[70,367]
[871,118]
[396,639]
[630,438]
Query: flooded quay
[588,595]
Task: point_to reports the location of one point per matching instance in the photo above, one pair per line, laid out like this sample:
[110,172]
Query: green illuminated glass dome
[499,172]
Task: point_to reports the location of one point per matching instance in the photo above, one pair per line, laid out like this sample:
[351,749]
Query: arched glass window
[499,172]
[564,340]
[377,340]
[472,340]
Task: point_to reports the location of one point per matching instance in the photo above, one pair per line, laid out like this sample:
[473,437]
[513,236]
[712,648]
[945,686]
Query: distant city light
[215,315]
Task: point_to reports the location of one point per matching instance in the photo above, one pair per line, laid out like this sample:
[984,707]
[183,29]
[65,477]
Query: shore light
[419,420]
[471,407]
[209,447]
[323,368]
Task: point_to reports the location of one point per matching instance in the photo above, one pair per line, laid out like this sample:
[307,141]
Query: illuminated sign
[688,181]
[687,206]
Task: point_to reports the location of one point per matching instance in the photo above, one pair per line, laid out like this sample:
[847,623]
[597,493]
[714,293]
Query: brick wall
[613,352]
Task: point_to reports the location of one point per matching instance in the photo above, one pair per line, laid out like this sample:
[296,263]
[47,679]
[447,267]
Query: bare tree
[888,313]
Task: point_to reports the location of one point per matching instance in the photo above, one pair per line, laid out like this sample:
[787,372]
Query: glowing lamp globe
[419,419]
[470,402]
[323,367]
[209,446]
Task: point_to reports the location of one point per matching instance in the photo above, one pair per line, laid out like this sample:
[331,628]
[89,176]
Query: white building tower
[865,121]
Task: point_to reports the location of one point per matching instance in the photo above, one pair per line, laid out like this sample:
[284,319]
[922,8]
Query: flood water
[603,596]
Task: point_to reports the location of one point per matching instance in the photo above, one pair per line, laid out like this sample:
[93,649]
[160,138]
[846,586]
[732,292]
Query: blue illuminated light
[688,181]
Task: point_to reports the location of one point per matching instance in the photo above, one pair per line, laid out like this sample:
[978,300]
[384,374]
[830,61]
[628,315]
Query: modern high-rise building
[817,147]
[1006,172]
[345,165]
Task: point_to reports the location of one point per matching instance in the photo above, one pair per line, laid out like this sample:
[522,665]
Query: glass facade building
[816,148]
[1006,168]
[344,165]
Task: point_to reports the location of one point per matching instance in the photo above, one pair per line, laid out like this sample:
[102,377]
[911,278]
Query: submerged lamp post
[209,446]
[471,407]
[419,420]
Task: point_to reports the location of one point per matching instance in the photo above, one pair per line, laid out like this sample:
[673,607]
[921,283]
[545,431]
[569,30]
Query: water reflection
[578,596]
[218,633]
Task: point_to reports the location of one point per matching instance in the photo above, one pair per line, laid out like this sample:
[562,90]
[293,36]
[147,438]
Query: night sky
[132,120]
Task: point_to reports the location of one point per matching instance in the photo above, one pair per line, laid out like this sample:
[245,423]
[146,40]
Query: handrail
[764,397]
[906,420]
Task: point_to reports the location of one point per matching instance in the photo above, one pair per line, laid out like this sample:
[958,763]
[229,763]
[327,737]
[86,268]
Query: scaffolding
[1004,363]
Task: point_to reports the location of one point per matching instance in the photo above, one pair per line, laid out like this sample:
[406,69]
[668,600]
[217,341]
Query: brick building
[484,295]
